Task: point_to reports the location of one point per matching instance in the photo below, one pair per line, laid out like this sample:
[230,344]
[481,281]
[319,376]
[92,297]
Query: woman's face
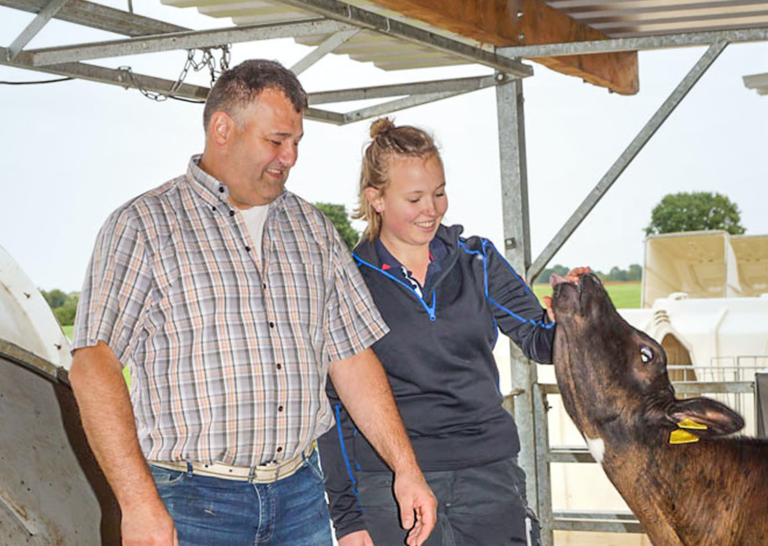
[414,201]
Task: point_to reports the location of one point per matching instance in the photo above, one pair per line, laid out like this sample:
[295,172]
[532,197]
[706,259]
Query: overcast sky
[72,152]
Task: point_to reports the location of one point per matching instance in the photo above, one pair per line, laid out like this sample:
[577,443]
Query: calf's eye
[646,354]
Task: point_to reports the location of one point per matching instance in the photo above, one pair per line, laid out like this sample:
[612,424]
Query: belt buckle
[257,472]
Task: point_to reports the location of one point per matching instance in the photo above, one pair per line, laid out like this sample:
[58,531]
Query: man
[228,297]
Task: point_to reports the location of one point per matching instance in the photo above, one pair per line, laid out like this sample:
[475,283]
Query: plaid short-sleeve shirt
[228,354]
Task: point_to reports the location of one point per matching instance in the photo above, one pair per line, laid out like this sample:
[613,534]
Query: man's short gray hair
[237,87]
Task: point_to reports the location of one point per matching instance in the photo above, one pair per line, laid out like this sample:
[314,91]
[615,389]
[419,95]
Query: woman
[443,297]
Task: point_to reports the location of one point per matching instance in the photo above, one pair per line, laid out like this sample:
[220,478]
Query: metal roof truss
[67,60]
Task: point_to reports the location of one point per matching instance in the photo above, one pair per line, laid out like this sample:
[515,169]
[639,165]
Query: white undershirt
[255,217]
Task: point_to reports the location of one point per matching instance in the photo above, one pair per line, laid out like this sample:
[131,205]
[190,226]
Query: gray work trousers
[480,506]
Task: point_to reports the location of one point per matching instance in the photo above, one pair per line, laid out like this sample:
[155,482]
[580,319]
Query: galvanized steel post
[528,407]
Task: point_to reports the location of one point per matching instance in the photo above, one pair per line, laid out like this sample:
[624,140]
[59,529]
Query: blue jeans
[215,512]
[479,506]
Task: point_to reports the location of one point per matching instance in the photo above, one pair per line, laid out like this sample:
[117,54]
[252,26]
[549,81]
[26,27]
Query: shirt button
[263,286]
[231,212]
[271,324]
[279,366]
[221,189]
[279,449]
[213,209]
[279,408]
[247,249]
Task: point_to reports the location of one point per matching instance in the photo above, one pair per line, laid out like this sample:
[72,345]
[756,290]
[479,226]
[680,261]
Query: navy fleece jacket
[439,360]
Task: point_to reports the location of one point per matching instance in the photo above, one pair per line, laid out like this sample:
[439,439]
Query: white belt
[264,473]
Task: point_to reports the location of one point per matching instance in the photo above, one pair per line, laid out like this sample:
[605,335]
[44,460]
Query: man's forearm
[105,409]
[364,389]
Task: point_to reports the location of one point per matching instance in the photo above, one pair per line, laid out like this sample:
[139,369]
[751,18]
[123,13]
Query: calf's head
[613,378]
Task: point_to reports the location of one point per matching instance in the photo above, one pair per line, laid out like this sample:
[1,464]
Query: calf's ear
[718,419]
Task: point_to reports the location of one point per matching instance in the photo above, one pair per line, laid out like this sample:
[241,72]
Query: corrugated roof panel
[615,18]
[649,17]
[385,52]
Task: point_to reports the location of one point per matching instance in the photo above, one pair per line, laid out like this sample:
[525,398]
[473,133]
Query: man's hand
[148,525]
[572,276]
[96,375]
[414,497]
[358,538]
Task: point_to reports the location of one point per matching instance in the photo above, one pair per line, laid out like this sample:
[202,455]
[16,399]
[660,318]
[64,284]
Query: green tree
[558,269]
[337,214]
[55,298]
[66,313]
[617,274]
[64,306]
[696,211]
[635,272]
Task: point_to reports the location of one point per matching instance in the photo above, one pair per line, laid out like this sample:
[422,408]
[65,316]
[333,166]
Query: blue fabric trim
[484,254]
[357,463]
[337,411]
[505,262]
[430,310]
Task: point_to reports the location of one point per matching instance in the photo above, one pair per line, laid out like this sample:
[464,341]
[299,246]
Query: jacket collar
[366,249]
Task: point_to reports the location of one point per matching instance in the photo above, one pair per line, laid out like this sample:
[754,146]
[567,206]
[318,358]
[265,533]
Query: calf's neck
[684,478]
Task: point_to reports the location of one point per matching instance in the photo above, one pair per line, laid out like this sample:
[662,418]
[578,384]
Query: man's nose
[288,155]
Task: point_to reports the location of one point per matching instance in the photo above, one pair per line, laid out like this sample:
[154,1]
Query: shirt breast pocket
[301,288]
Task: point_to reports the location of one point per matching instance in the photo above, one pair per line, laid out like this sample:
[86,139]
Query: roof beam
[98,16]
[131,80]
[324,49]
[396,105]
[341,11]
[121,78]
[526,22]
[397,90]
[35,26]
[639,43]
[179,40]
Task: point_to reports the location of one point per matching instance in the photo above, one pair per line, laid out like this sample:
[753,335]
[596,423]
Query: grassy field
[68,330]
[625,295]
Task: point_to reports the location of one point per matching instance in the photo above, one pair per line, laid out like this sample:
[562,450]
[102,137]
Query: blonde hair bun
[381,126]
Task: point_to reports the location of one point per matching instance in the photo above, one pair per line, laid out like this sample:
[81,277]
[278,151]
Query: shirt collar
[209,187]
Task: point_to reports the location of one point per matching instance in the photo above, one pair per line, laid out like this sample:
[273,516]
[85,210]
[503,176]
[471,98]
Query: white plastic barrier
[26,320]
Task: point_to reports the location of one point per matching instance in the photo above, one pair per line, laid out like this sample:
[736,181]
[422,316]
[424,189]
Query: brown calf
[614,384]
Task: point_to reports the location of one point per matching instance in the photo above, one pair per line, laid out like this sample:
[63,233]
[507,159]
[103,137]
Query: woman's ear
[374,198]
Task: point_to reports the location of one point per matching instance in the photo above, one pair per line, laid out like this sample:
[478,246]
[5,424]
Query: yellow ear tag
[691,425]
[682,437]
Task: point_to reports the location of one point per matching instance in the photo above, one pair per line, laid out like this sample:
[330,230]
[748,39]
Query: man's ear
[718,419]
[220,128]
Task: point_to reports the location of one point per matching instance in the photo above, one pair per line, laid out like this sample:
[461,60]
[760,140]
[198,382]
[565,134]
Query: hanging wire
[206,61]
[37,82]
